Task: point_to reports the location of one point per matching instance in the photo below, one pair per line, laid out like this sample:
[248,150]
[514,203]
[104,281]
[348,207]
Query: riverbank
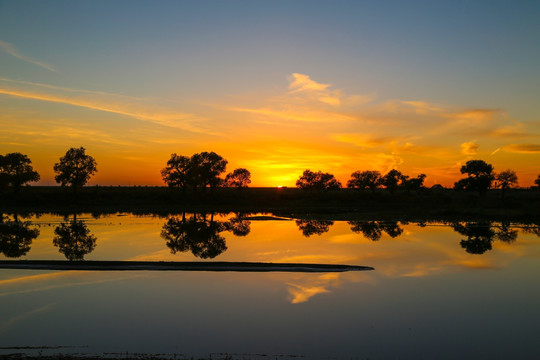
[343,204]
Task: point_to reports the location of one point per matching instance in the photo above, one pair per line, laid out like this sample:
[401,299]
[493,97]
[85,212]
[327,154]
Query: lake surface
[444,291]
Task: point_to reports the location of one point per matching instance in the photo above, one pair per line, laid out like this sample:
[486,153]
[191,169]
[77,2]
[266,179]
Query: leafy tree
[537,181]
[505,180]
[207,167]
[392,179]
[480,176]
[16,170]
[75,168]
[416,183]
[239,178]
[317,181]
[364,180]
[313,227]
[74,240]
[178,171]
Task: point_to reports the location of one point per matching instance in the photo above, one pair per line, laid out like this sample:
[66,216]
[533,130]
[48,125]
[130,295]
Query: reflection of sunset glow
[414,252]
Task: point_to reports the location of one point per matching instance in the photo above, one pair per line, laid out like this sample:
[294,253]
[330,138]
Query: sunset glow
[273,87]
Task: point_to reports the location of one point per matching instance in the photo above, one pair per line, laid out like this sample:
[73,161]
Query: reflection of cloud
[10,49]
[523,148]
[5,325]
[118,104]
[300,293]
[61,276]
[469,148]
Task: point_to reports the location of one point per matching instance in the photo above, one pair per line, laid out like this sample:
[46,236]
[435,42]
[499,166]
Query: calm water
[442,291]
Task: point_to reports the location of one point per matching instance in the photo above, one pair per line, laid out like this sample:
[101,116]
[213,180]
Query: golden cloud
[523,148]
[112,103]
[469,148]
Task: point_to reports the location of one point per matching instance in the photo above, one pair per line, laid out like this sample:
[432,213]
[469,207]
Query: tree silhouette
[317,181]
[16,170]
[537,182]
[75,168]
[196,234]
[479,236]
[198,171]
[392,180]
[313,227]
[178,171]
[208,166]
[16,237]
[364,180]
[505,180]
[73,239]
[413,184]
[239,178]
[480,176]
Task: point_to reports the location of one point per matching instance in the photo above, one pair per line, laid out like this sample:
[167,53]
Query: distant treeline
[206,169]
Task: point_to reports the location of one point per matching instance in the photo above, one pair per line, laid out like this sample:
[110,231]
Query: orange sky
[272,89]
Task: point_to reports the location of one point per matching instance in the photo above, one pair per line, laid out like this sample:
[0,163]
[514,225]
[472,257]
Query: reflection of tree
[506,234]
[532,229]
[373,229]
[479,236]
[73,239]
[16,237]
[196,234]
[238,225]
[312,227]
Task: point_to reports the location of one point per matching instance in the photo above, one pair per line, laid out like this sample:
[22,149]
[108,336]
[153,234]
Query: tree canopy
[364,180]
[198,171]
[317,181]
[505,180]
[239,178]
[480,176]
[16,170]
[392,180]
[75,168]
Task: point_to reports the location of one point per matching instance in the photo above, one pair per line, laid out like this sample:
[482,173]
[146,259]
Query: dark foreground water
[438,291]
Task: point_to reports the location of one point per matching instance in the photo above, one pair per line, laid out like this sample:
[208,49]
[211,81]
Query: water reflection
[481,235]
[313,227]
[73,239]
[373,230]
[238,225]
[197,233]
[16,236]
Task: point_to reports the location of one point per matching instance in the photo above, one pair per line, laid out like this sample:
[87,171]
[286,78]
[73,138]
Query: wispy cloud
[469,148]
[523,148]
[11,50]
[133,107]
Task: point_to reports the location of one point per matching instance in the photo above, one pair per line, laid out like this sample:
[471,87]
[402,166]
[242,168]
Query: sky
[276,87]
